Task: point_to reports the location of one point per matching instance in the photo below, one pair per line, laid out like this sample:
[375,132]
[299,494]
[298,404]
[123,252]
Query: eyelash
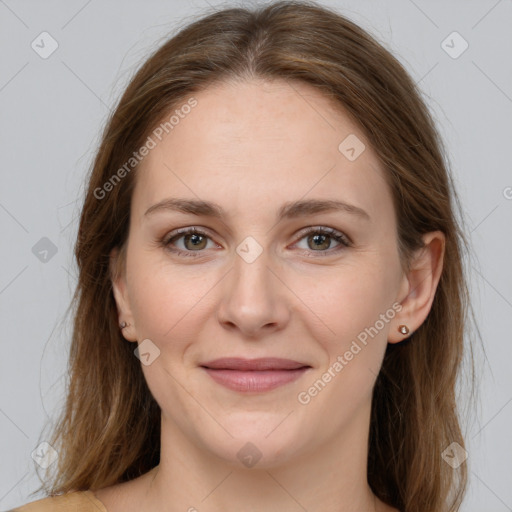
[322,230]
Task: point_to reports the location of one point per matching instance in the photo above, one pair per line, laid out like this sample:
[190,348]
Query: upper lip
[265,363]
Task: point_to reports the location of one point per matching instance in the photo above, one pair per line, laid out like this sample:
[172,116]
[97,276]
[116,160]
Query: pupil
[319,240]
[195,239]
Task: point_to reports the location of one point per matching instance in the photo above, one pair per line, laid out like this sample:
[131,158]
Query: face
[266,278]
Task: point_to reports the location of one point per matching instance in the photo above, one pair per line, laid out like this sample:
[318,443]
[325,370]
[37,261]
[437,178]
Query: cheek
[152,305]
[348,300]
[166,299]
[355,311]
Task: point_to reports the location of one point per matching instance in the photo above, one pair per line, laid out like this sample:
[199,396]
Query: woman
[271,299]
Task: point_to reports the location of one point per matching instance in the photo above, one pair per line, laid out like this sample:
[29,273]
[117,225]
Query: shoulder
[75,501]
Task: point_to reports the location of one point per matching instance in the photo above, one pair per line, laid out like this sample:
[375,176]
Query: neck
[328,477]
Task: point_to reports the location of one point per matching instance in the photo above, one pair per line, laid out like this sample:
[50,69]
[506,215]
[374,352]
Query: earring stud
[403,329]
[123,325]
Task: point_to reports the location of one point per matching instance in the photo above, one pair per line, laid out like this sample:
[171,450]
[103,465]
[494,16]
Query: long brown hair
[109,430]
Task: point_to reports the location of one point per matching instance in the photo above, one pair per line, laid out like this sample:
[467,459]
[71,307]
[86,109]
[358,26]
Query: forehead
[261,142]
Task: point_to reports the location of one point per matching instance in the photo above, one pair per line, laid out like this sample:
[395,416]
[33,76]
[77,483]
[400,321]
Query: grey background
[52,113]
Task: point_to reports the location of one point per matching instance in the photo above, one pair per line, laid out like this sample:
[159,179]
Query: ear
[419,286]
[119,288]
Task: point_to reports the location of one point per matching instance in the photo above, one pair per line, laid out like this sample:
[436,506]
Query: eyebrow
[289,210]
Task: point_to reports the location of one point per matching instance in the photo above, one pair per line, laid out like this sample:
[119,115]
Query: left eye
[318,240]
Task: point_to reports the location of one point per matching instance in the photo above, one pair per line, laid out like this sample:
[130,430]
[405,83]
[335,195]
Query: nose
[255,301]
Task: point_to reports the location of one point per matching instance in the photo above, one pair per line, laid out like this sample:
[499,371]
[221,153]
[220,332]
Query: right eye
[194,240]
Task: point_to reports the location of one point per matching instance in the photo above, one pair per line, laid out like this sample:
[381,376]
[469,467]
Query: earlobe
[119,289]
[420,287]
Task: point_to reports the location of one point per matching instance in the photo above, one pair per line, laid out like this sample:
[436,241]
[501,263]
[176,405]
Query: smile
[254,375]
[254,381]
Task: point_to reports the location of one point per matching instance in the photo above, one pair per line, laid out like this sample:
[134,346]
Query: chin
[254,447]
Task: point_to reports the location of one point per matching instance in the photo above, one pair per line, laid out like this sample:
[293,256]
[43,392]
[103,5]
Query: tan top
[75,501]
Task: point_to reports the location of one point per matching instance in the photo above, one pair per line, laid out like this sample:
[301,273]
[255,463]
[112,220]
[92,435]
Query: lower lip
[254,381]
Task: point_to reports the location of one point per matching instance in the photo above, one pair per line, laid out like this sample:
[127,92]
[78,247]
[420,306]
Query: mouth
[254,375]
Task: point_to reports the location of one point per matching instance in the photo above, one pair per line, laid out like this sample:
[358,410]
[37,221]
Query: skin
[251,147]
